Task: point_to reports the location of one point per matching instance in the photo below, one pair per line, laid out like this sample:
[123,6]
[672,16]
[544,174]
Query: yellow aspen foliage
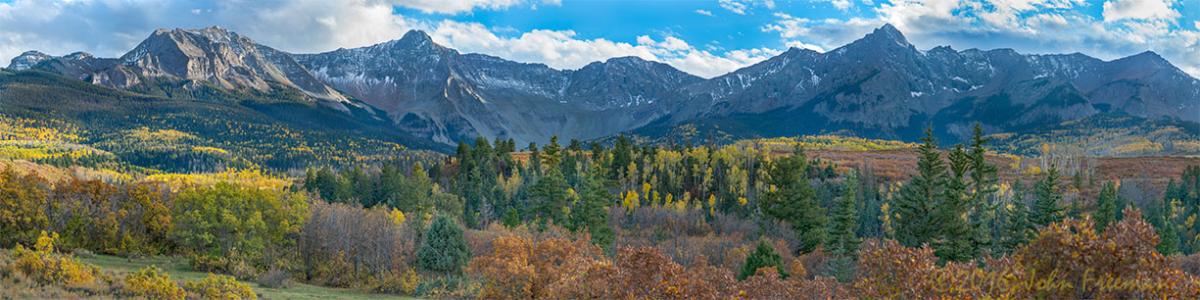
[397,216]
[152,283]
[885,216]
[47,267]
[680,206]
[646,190]
[742,201]
[220,287]
[630,200]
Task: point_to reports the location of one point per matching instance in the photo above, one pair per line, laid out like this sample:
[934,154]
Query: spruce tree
[549,197]
[915,208]
[443,249]
[955,238]
[1167,227]
[843,241]
[984,214]
[763,256]
[552,154]
[591,211]
[1046,207]
[1106,207]
[1017,230]
[793,200]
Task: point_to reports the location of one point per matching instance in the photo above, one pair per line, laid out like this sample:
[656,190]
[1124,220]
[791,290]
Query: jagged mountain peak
[213,34]
[80,55]
[882,43]
[1145,58]
[633,62]
[418,36]
[27,60]
[413,40]
[886,34]
[626,60]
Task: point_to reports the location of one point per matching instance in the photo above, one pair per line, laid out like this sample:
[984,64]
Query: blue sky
[707,38]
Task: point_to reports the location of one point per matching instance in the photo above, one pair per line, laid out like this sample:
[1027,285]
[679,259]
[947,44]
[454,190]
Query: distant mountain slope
[879,86]
[434,91]
[185,135]
[882,86]
[191,62]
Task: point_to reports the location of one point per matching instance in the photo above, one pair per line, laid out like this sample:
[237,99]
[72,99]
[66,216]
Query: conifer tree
[793,200]
[915,208]
[549,197]
[552,154]
[1106,207]
[843,240]
[984,209]
[1016,229]
[591,212]
[1167,227]
[443,249]
[955,239]
[764,256]
[1046,207]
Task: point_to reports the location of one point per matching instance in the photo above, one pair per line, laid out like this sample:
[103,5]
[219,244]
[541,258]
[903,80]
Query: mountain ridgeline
[879,86]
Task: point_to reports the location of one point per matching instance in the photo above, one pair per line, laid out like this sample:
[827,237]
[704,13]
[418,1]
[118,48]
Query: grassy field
[179,270]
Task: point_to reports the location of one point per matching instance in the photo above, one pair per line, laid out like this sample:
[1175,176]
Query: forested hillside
[809,217]
[113,129]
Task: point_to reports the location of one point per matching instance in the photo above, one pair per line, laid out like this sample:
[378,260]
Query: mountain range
[877,86]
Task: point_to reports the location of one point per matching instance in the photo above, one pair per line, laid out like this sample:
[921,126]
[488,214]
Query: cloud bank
[1113,29]
[110,27]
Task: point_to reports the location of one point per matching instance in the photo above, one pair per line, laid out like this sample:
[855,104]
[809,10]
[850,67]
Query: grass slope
[180,271]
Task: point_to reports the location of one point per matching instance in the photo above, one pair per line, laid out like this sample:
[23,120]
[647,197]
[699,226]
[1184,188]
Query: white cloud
[841,4]
[803,45]
[704,12]
[743,7]
[68,26]
[564,50]
[819,35]
[461,6]
[63,27]
[733,6]
[1117,10]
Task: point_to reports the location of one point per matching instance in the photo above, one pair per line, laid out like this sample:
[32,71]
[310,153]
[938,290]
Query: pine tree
[1106,207]
[1046,207]
[1017,230]
[915,223]
[984,217]
[443,249]
[552,154]
[794,201]
[843,240]
[549,197]
[1167,227]
[954,240]
[764,256]
[591,212]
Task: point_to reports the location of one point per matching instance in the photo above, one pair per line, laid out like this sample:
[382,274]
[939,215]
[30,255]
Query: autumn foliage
[1067,260]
